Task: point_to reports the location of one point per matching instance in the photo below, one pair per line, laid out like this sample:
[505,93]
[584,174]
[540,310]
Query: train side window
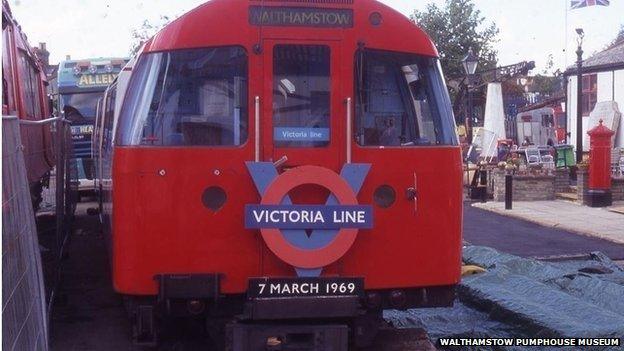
[7,73]
[30,78]
[192,97]
[301,95]
[97,130]
[109,117]
[401,101]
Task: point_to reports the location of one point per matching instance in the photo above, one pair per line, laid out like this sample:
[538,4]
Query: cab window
[191,97]
[401,101]
[301,95]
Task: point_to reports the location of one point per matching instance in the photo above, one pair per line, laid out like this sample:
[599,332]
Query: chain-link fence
[24,323]
[24,308]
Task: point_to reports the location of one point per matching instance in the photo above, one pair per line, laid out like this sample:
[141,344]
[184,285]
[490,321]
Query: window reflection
[401,101]
[195,97]
[301,95]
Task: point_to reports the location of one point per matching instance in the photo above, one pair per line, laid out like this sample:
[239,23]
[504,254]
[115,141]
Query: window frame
[330,121]
[108,117]
[589,90]
[354,137]
[8,73]
[29,75]
[118,139]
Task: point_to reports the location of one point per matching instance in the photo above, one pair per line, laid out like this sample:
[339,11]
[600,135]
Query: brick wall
[617,186]
[562,180]
[617,189]
[525,187]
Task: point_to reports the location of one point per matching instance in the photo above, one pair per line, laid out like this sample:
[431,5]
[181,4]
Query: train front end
[294,170]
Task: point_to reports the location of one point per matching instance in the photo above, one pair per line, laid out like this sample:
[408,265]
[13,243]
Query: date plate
[301,287]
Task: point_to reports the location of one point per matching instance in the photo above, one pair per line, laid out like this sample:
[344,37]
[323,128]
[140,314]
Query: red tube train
[288,167]
[24,96]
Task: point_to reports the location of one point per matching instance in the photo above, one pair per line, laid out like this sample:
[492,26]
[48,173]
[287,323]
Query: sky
[529,29]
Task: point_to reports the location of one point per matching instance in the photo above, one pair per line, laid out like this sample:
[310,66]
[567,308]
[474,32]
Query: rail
[257,130]
[43,121]
[349,130]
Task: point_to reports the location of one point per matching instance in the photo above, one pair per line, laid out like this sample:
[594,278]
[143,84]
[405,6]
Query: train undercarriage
[244,323]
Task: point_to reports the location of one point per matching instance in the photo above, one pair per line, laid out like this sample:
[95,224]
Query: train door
[303,107]
[404,128]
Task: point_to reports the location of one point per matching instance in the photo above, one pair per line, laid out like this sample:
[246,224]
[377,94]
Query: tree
[550,64]
[619,39]
[147,30]
[456,27]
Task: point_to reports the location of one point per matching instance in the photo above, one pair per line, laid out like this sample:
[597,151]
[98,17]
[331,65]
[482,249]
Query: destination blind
[300,17]
[89,80]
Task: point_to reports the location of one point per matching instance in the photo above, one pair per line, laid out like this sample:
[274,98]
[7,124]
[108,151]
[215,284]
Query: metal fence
[24,323]
[25,304]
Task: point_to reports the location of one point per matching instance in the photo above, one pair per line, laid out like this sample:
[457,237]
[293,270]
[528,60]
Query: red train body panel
[160,224]
[161,227]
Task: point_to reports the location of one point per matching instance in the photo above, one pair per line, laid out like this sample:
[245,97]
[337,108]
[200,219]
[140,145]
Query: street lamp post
[470,63]
[579,96]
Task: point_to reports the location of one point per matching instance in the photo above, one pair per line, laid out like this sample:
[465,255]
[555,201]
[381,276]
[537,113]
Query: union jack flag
[577,4]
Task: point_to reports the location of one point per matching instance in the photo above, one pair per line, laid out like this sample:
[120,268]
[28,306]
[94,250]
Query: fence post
[508,191]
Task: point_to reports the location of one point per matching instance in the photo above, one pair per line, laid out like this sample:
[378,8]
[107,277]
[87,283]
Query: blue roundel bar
[308,217]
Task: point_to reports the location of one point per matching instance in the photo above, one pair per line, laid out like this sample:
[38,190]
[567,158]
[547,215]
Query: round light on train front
[92,69]
[77,70]
[214,198]
[384,196]
[109,68]
[375,19]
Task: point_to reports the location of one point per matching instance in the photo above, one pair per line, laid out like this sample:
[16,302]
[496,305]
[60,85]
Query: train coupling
[271,337]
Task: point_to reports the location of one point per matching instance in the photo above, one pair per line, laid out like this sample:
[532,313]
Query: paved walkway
[596,222]
[526,239]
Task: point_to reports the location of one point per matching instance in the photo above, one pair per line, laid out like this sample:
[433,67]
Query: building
[51,71]
[603,80]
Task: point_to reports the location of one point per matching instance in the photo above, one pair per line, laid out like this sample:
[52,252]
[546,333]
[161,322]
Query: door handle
[281,161]
[411,193]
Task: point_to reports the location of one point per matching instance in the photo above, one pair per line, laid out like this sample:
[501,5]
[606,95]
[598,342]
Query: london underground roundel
[284,225]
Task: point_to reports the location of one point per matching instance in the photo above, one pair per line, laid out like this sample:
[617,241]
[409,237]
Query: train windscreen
[193,97]
[402,101]
[80,108]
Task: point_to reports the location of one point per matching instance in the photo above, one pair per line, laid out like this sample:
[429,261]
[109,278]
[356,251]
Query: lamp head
[470,62]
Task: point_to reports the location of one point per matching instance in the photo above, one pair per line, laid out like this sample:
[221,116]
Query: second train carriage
[80,84]
[24,96]
[289,167]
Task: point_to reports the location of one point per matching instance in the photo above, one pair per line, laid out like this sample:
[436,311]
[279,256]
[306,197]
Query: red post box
[599,193]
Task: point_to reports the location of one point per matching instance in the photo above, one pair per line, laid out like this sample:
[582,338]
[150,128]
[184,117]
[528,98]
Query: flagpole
[565,50]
